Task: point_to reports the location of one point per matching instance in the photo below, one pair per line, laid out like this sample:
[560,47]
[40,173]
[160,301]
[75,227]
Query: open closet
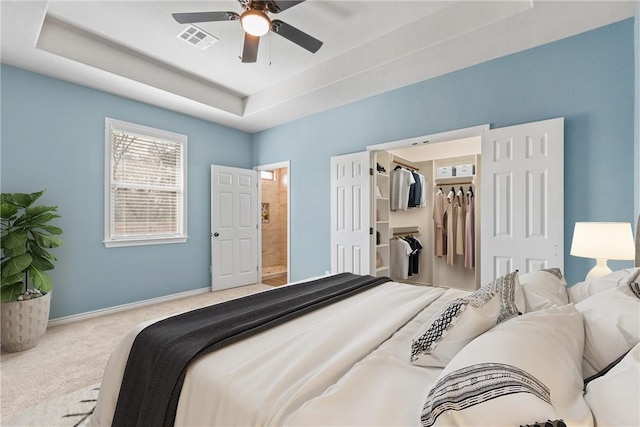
[427,216]
[512,175]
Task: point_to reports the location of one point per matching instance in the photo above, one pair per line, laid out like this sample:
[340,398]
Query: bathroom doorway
[274,223]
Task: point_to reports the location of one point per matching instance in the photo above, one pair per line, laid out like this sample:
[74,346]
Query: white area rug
[70,410]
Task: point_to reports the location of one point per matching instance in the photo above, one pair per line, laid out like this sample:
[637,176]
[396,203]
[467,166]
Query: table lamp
[603,241]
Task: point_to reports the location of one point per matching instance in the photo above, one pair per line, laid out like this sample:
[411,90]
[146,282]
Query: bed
[519,351]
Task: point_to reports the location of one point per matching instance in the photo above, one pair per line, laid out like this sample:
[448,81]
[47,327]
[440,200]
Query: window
[145,195]
[267,175]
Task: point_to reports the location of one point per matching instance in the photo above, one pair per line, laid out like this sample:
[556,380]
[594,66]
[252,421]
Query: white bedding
[396,396]
[350,364]
[288,374]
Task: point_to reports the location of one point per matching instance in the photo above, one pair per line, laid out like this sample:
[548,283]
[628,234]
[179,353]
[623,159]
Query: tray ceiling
[131,48]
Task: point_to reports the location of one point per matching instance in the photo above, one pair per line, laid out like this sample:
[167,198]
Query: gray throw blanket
[161,353]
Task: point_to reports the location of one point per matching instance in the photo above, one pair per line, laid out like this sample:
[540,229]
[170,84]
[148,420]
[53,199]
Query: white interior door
[351,239]
[522,211]
[234,227]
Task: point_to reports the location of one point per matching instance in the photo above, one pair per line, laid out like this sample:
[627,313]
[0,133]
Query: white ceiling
[130,48]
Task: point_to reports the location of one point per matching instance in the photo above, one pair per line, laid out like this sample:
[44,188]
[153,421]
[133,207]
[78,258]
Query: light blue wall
[637,116]
[588,79]
[53,137]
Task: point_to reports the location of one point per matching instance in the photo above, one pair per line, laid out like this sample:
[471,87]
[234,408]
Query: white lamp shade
[603,240]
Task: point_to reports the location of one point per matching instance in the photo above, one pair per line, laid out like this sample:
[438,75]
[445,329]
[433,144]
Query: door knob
[215,234]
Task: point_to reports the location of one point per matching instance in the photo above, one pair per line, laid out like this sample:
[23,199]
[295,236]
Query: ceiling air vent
[197,37]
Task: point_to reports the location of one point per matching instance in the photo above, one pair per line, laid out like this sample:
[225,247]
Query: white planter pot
[24,322]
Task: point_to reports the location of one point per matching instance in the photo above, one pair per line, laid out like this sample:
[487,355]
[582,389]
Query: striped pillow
[463,319]
[531,363]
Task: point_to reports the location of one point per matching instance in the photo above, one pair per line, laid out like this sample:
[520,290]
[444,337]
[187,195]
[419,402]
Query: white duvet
[345,364]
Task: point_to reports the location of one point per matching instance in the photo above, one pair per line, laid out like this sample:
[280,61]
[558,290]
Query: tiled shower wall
[274,233]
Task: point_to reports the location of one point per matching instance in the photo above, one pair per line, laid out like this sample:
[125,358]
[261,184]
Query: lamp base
[601,269]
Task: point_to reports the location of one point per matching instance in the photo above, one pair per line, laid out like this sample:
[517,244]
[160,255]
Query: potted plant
[25,289]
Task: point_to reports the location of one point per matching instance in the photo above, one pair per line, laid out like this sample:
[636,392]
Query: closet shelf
[382,198]
[383,268]
[397,231]
[382,245]
[456,180]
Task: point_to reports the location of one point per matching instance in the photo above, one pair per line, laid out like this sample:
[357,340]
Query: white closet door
[234,227]
[351,241]
[522,211]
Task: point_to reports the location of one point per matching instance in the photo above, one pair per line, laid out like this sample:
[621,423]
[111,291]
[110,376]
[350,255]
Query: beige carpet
[72,356]
[70,410]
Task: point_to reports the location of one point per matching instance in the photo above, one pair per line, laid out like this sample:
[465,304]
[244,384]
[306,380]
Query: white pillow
[544,289]
[523,371]
[463,319]
[613,397]
[583,290]
[611,325]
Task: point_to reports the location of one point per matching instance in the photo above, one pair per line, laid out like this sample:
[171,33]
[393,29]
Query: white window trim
[109,241]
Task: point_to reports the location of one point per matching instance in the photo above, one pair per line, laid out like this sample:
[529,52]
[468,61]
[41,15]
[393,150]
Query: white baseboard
[123,307]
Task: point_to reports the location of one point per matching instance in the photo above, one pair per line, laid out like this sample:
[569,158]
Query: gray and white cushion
[611,324]
[635,289]
[465,318]
[544,289]
[522,370]
[555,271]
[583,290]
[479,383]
[613,397]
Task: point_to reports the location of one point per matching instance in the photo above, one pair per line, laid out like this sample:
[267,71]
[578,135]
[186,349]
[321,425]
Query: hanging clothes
[399,251]
[423,196]
[451,226]
[401,181]
[459,209]
[469,245]
[414,258]
[415,191]
[412,191]
[439,211]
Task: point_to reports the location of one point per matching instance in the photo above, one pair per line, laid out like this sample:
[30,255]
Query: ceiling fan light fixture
[255,22]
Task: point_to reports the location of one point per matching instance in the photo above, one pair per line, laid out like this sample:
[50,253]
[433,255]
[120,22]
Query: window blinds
[146,186]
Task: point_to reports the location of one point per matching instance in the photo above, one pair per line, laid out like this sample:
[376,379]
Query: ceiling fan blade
[190,18]
[293,34]
[250,48]
[280,5]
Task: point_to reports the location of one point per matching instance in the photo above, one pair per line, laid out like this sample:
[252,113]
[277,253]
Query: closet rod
[405,234]
[405,165]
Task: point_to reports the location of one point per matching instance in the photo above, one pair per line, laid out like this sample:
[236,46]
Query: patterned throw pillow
[521,371]
[466,318]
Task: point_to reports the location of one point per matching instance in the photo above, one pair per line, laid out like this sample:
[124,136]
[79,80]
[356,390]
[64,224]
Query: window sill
[144,242]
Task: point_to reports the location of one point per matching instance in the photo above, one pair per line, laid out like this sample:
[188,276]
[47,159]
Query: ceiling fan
[256,23]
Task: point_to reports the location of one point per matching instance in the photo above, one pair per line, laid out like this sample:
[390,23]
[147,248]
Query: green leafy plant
[26,238]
